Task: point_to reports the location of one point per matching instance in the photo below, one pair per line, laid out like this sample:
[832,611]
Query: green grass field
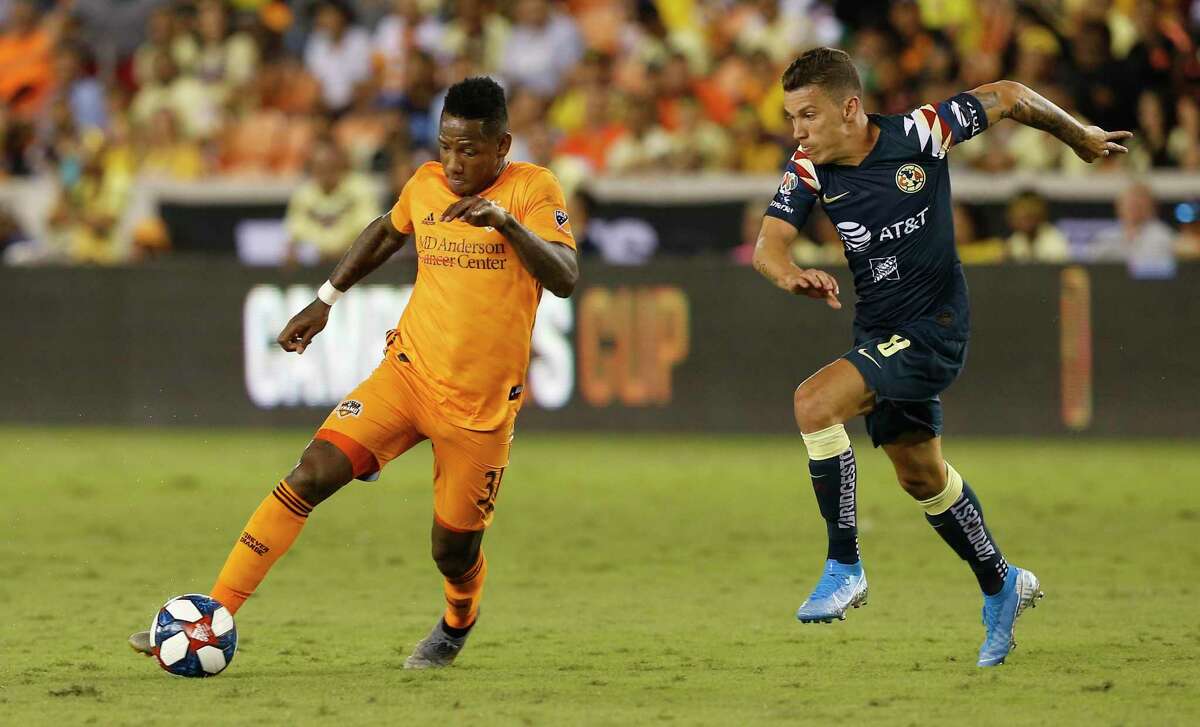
[633,580]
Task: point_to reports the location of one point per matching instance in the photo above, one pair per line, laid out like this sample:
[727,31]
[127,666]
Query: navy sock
[456,633]
[835,482]
[963,529]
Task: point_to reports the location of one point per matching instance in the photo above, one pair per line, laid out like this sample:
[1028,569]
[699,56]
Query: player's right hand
[814,284]
[304,326]
[1098,143]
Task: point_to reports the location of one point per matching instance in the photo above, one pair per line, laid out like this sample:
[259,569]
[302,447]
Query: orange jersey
[468,324]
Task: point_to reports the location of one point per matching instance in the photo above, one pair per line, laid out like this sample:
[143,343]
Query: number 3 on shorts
[897,343]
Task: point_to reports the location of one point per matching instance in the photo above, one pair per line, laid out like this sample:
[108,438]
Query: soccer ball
[193,636]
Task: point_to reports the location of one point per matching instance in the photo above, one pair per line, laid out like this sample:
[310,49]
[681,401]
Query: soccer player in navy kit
[885,184]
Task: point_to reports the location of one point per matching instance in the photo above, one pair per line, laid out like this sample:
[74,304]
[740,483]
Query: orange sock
[270,532]
[463,594]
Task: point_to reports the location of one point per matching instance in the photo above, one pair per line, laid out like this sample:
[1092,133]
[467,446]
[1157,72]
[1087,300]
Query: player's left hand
[476,211]
[1099,144]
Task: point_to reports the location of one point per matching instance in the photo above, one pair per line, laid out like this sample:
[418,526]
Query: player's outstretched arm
[773,260]
[374,245]
[1012,100]
[552,264]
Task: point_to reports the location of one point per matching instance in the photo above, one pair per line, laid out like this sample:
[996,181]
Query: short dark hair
[479,98]
[829,68]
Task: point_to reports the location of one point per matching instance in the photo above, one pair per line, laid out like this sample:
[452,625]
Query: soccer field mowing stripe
[633,580]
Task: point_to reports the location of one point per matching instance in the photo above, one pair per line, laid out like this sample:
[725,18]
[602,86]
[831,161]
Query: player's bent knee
[813,408]
[322,471]
[454,559]
[921,484]
[455,553]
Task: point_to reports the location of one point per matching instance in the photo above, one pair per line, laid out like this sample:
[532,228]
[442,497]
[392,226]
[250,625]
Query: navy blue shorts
[907,368]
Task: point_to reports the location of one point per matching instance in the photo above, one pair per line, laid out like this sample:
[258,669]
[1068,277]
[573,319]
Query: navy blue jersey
[893,214]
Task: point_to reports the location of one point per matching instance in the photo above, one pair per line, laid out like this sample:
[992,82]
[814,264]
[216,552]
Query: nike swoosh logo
[863,351]
[830,200]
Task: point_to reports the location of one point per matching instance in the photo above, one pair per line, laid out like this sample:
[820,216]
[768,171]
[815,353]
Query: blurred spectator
[16,137]
[113,28]
[1183,143]
[364,129]
[266,141]
[184,95]
[595,86]
[93,193]
[543,45]
[338,54]
[600,132]
[1102,86]
[567,112]
[274,122]
[677,85]
[1037,49]
[917,42]
[646,147]
[1141,240]
[1162,45]
[476,30]
[163,34]
[571,171]
[645,40]
[226,61]
[328,210]
[165,153]
[1034,238]
[284,84]
[83,94]
[406,29]
[422,101]
[26,46]
[525,110]
[754,151]
[1187,244]
[699,144]
[781,34]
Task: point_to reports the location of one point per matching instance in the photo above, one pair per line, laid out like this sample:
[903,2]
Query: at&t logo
[856,237]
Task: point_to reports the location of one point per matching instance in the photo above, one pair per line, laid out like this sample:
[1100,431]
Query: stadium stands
[98,100]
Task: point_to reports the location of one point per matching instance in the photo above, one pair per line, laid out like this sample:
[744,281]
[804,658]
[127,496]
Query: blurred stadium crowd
[97,94]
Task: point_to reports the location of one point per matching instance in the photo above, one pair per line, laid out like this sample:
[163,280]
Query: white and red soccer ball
[193,636]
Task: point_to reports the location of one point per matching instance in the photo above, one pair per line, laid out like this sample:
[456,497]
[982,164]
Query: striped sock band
[471,572]
[293,502]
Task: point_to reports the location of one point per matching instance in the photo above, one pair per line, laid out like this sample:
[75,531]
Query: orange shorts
[386,415]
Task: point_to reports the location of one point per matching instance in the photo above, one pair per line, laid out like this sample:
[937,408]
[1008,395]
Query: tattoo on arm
[1034,110]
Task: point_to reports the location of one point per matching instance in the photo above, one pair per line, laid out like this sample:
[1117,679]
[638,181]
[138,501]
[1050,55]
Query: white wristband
[329,294]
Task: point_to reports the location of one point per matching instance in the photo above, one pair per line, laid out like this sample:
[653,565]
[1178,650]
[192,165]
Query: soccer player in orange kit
[490,235]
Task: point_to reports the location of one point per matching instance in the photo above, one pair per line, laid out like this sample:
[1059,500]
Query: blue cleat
[1000,612]
[841,587]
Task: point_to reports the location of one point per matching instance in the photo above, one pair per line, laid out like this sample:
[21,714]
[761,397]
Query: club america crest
[910,178]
